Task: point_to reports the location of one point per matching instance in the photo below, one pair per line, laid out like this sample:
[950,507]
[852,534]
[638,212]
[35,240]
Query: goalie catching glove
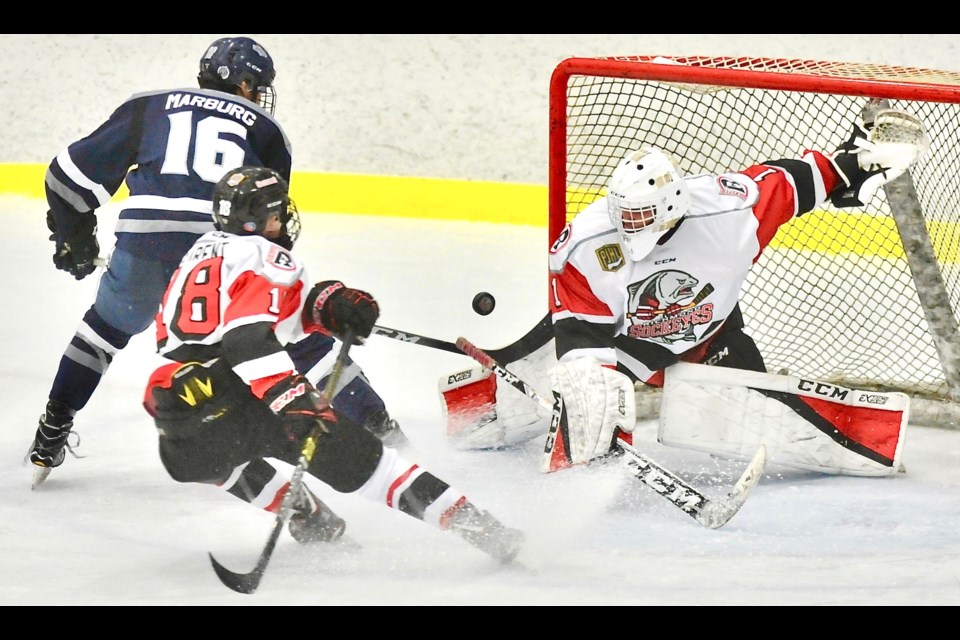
[592,403]
[877,152]
[335,308]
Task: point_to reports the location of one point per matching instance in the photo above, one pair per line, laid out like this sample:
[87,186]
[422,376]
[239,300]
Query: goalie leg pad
[484,411]
[469,402]
[805,424]
[591,403]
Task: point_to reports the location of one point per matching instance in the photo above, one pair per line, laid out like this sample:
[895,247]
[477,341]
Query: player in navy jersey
[171,147]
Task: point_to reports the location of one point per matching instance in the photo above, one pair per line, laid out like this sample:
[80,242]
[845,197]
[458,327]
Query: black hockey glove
[300,407]
[75,255]
[337,308]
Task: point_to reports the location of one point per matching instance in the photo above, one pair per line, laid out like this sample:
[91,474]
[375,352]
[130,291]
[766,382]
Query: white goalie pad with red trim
[469,402]
[805,424]
[591,405]
[481,411]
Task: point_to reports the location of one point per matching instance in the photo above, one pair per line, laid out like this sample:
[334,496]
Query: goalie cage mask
[646,197]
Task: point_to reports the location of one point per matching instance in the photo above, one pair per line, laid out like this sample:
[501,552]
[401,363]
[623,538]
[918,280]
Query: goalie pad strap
[591,403]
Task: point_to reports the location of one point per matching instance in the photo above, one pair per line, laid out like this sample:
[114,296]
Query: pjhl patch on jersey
[610,257]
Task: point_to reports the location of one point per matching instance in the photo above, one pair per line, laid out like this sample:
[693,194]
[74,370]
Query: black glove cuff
[325,288]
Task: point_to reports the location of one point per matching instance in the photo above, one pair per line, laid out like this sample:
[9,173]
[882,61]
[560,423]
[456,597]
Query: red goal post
[867,298]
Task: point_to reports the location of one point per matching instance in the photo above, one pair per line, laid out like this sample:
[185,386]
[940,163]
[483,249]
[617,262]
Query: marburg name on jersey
[231,109]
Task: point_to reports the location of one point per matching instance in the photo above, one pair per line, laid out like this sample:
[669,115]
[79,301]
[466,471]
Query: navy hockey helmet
[231,62]
[247,198]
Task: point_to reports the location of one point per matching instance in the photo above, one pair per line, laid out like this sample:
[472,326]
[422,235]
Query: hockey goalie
[647,278]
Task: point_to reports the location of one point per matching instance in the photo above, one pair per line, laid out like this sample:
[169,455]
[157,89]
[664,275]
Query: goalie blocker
[805,424]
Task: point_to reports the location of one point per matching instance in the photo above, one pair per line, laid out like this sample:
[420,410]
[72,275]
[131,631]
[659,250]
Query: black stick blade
[248,582]
[239,582]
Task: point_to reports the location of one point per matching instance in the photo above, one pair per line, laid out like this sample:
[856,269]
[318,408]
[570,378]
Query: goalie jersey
[643,316]
[171,147]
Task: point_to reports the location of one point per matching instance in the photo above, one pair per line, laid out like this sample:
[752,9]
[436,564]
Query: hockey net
[866,298]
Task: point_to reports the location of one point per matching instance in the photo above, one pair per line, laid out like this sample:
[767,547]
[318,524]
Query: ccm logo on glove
[288,396]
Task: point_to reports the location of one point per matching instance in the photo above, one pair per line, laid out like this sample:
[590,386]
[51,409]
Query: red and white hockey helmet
[646,197]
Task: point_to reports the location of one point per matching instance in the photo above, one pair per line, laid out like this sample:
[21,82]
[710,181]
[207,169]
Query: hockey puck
[483,303]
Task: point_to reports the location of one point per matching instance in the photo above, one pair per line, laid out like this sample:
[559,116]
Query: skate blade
[39,475]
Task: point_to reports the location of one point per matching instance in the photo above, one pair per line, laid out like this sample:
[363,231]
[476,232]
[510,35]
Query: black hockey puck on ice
[483,303]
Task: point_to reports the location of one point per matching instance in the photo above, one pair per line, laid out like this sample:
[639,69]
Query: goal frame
[880,83]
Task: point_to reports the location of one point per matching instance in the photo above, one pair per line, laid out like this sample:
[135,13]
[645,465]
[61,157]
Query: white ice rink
[114,529]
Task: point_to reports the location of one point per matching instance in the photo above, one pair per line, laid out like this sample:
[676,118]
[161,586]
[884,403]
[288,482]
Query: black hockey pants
[209,423]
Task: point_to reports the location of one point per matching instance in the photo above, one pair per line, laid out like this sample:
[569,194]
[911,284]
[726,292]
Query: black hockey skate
[313,521]
[386,428]
[50,444]
[485,532]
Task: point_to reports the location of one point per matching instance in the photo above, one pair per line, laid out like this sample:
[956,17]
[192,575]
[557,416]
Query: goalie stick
[711,513]
[248,582]
[538,336]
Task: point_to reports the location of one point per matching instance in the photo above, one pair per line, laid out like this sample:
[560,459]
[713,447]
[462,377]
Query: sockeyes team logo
[667,307]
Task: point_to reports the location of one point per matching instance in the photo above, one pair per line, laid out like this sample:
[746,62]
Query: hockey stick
[413,338]
[248,582]
[538,336]
[711,513]
[707,290]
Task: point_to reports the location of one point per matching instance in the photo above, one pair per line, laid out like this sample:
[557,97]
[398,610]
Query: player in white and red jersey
[170,147]
[236,309]
[651,274]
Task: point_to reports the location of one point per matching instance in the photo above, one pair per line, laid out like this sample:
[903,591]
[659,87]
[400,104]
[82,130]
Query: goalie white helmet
[646,197]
